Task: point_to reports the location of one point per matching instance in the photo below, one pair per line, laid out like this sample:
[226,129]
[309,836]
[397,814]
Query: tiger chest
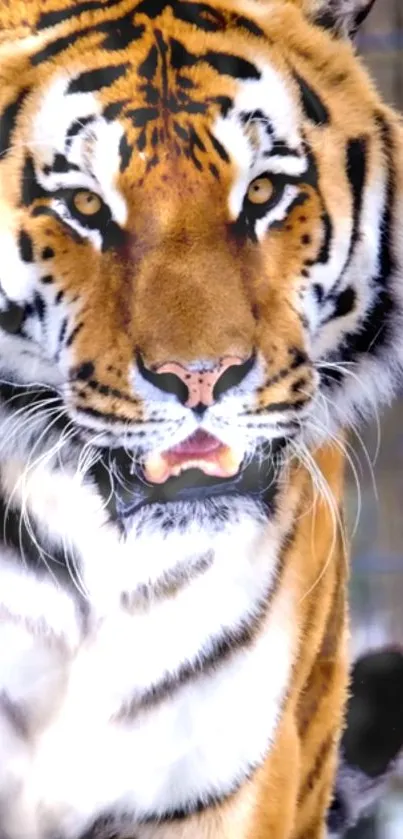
[151,711]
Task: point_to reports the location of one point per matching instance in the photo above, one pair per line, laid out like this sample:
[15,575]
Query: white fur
[198,742]
[95,149]
[282,114]
[18,279]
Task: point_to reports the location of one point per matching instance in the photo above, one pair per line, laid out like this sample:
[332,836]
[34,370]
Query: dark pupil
[88,208]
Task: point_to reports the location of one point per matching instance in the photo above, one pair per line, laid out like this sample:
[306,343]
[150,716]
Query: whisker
[321,488]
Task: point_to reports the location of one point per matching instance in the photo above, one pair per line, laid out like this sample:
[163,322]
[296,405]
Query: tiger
[200,293]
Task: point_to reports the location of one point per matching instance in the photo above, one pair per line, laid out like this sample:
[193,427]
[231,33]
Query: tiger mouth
[201,451]
[186,473]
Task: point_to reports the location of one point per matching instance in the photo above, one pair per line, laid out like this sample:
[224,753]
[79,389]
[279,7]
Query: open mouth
[200,451]
[198,469]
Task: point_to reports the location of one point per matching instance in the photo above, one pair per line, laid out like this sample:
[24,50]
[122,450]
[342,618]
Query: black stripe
[25,246]
[299,359]
[388,262]
[74,333]
[223,647]
[39,306]
[97,79]
[170,583]
[31,190]
[224,103]
[119,33]
[231,65]
[57,46]
[315,109]
[226,64]
[324,253]
[344,303]
[250,26]
[376,329]
[114,109]
[142,116]
[280,149]
[282,406]
[125,151]
[149,66]
[356,170]
[77,126]
[82,374]
[77,9]
[218,147]
[201,15]
[61,165]
[152,8]
[104,416]
[8,120]
[356,167]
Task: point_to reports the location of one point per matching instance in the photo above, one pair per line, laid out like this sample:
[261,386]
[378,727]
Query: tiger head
[198,233]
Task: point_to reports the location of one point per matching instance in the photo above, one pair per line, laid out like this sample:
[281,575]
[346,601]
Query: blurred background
[377,560]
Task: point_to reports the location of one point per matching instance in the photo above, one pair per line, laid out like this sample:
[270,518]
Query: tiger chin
[200,292]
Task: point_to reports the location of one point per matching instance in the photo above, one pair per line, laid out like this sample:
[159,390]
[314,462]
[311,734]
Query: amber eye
[260,191]
[86,203]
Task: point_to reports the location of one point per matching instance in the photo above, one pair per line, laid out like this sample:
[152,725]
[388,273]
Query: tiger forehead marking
[166,109]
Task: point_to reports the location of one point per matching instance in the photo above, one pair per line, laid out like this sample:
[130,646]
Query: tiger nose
[197,387]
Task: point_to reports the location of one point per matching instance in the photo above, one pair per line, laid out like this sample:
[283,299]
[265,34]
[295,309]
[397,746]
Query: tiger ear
[344,17]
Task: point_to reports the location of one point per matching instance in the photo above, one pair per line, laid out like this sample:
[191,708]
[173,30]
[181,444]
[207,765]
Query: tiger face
[199,263]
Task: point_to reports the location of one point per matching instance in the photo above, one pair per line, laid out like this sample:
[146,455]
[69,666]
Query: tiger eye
[87,203]
[260,191]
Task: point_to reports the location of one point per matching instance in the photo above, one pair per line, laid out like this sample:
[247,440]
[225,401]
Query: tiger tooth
[225,463]
[156,469]
[230,460]
[205,465]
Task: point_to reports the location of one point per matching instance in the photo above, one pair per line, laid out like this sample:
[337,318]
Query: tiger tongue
[200,451]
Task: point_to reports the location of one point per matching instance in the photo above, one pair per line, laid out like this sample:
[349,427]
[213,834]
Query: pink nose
[200,385]
[198,389]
